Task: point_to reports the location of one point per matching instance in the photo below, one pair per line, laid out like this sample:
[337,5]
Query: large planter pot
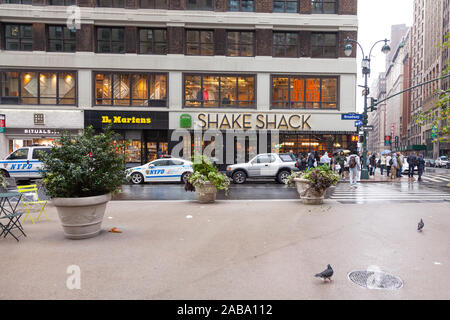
[307,194]
[81,218]
[206,193]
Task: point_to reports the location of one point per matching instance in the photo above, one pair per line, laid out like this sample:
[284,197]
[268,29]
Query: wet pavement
[366,192]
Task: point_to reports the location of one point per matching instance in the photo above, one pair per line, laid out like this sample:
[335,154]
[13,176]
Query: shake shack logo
[125,120]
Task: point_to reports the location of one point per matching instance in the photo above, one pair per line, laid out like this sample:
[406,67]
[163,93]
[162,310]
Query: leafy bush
[321,178]
[3,182]
[84,166]
[205,171]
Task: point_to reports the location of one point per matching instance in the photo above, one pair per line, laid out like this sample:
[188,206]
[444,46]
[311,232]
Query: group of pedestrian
[392,164]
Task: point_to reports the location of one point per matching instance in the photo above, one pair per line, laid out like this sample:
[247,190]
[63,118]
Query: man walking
[354,164]
[341,161]
[420,166]
[383,164]
[388,165]
[400,159]
[412,159]
[311,160]
[394,166]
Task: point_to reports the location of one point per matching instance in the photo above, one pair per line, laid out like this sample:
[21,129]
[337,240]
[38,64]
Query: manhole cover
[375,280]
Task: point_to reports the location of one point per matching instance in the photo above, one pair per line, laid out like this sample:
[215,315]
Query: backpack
[391,162]
[352,163]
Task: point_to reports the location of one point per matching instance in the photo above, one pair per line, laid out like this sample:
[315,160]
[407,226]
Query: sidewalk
[234,250]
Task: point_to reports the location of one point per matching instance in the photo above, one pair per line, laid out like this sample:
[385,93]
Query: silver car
[270,165]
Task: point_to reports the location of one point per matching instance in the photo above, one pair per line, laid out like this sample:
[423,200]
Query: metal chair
[31,202]
[13,223]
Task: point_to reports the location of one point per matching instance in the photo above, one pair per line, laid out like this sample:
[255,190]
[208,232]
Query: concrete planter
[206,193]
[309,195]
[81,218]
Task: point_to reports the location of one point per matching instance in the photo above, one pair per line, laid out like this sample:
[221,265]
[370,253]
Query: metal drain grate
[375,280]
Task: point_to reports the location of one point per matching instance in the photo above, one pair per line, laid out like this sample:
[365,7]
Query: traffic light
[355,138]
[361,139]
[373,103]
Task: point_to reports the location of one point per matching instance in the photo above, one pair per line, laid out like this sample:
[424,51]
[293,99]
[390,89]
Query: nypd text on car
[161,170]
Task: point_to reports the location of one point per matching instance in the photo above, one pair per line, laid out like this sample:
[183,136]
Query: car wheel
[282,176]
[137,178]
[185,176]
[239,177]
[4,173]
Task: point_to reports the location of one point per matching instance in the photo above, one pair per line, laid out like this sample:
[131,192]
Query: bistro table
[9,202]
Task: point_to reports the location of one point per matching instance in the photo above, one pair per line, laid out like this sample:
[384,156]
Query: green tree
[83,166]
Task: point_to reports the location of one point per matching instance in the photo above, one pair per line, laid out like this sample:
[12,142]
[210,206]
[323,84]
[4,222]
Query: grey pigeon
[326,275]
[420,226]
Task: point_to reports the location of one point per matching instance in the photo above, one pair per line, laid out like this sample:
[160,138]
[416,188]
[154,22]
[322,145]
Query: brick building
[150,67]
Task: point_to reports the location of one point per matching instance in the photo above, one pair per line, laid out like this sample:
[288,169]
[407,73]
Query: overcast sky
[375,20]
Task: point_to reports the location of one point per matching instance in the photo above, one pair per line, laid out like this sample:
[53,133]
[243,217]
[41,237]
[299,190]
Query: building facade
[158,70]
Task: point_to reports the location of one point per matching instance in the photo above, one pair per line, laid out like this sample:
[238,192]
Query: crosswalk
[365,193]
[436,178]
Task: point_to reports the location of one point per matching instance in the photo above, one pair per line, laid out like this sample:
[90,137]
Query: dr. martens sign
[127,119]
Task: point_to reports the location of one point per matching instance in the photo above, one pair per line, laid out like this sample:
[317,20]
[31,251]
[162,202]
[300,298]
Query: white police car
[161,170]
[23,164]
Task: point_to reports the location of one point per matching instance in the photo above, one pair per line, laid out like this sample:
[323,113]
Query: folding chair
[31,202]
[14,223]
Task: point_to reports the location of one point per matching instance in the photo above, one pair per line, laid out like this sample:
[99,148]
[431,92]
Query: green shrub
[205,171]
[321,178]
[84,166]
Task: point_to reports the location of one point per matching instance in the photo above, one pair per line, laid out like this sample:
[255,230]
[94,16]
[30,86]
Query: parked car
[161,170]
[429,162]
[442,162]
[24,164]
[271,165]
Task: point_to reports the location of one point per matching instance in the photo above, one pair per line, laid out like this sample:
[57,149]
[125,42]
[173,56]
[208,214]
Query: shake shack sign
[249,121]
[126,119]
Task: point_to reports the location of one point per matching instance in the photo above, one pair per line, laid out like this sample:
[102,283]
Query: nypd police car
[161,170]
[23,164]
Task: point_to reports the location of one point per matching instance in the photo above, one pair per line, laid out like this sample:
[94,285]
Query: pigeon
[420,226]
[326,275]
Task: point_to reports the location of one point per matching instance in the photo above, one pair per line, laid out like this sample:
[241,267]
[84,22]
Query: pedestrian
[412,160]
[383,163]
[159,154]
[373,164]
[394,166]
[325,159]
[420,166]
[291,153]
[354,164]
[311,160]
[388,165]
[400,160]
[341,161]
[317,158]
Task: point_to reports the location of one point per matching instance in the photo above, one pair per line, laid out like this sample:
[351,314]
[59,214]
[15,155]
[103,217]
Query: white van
[23,164]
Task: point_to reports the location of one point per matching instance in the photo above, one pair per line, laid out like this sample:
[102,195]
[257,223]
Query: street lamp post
[348,49]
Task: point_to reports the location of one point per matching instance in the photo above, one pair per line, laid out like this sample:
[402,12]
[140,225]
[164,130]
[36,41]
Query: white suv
[23,163]
[442,162]
[270,165]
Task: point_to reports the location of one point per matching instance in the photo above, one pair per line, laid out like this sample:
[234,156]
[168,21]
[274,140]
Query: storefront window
[9,91]
[219,91]
[291,92]
[46,88]
[147,89]
[303,144]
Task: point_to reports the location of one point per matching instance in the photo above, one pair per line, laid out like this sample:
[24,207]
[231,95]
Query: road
[433,188]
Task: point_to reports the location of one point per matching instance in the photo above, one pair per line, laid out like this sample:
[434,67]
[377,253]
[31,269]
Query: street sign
[351,116]
[367,128]
[358,123]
